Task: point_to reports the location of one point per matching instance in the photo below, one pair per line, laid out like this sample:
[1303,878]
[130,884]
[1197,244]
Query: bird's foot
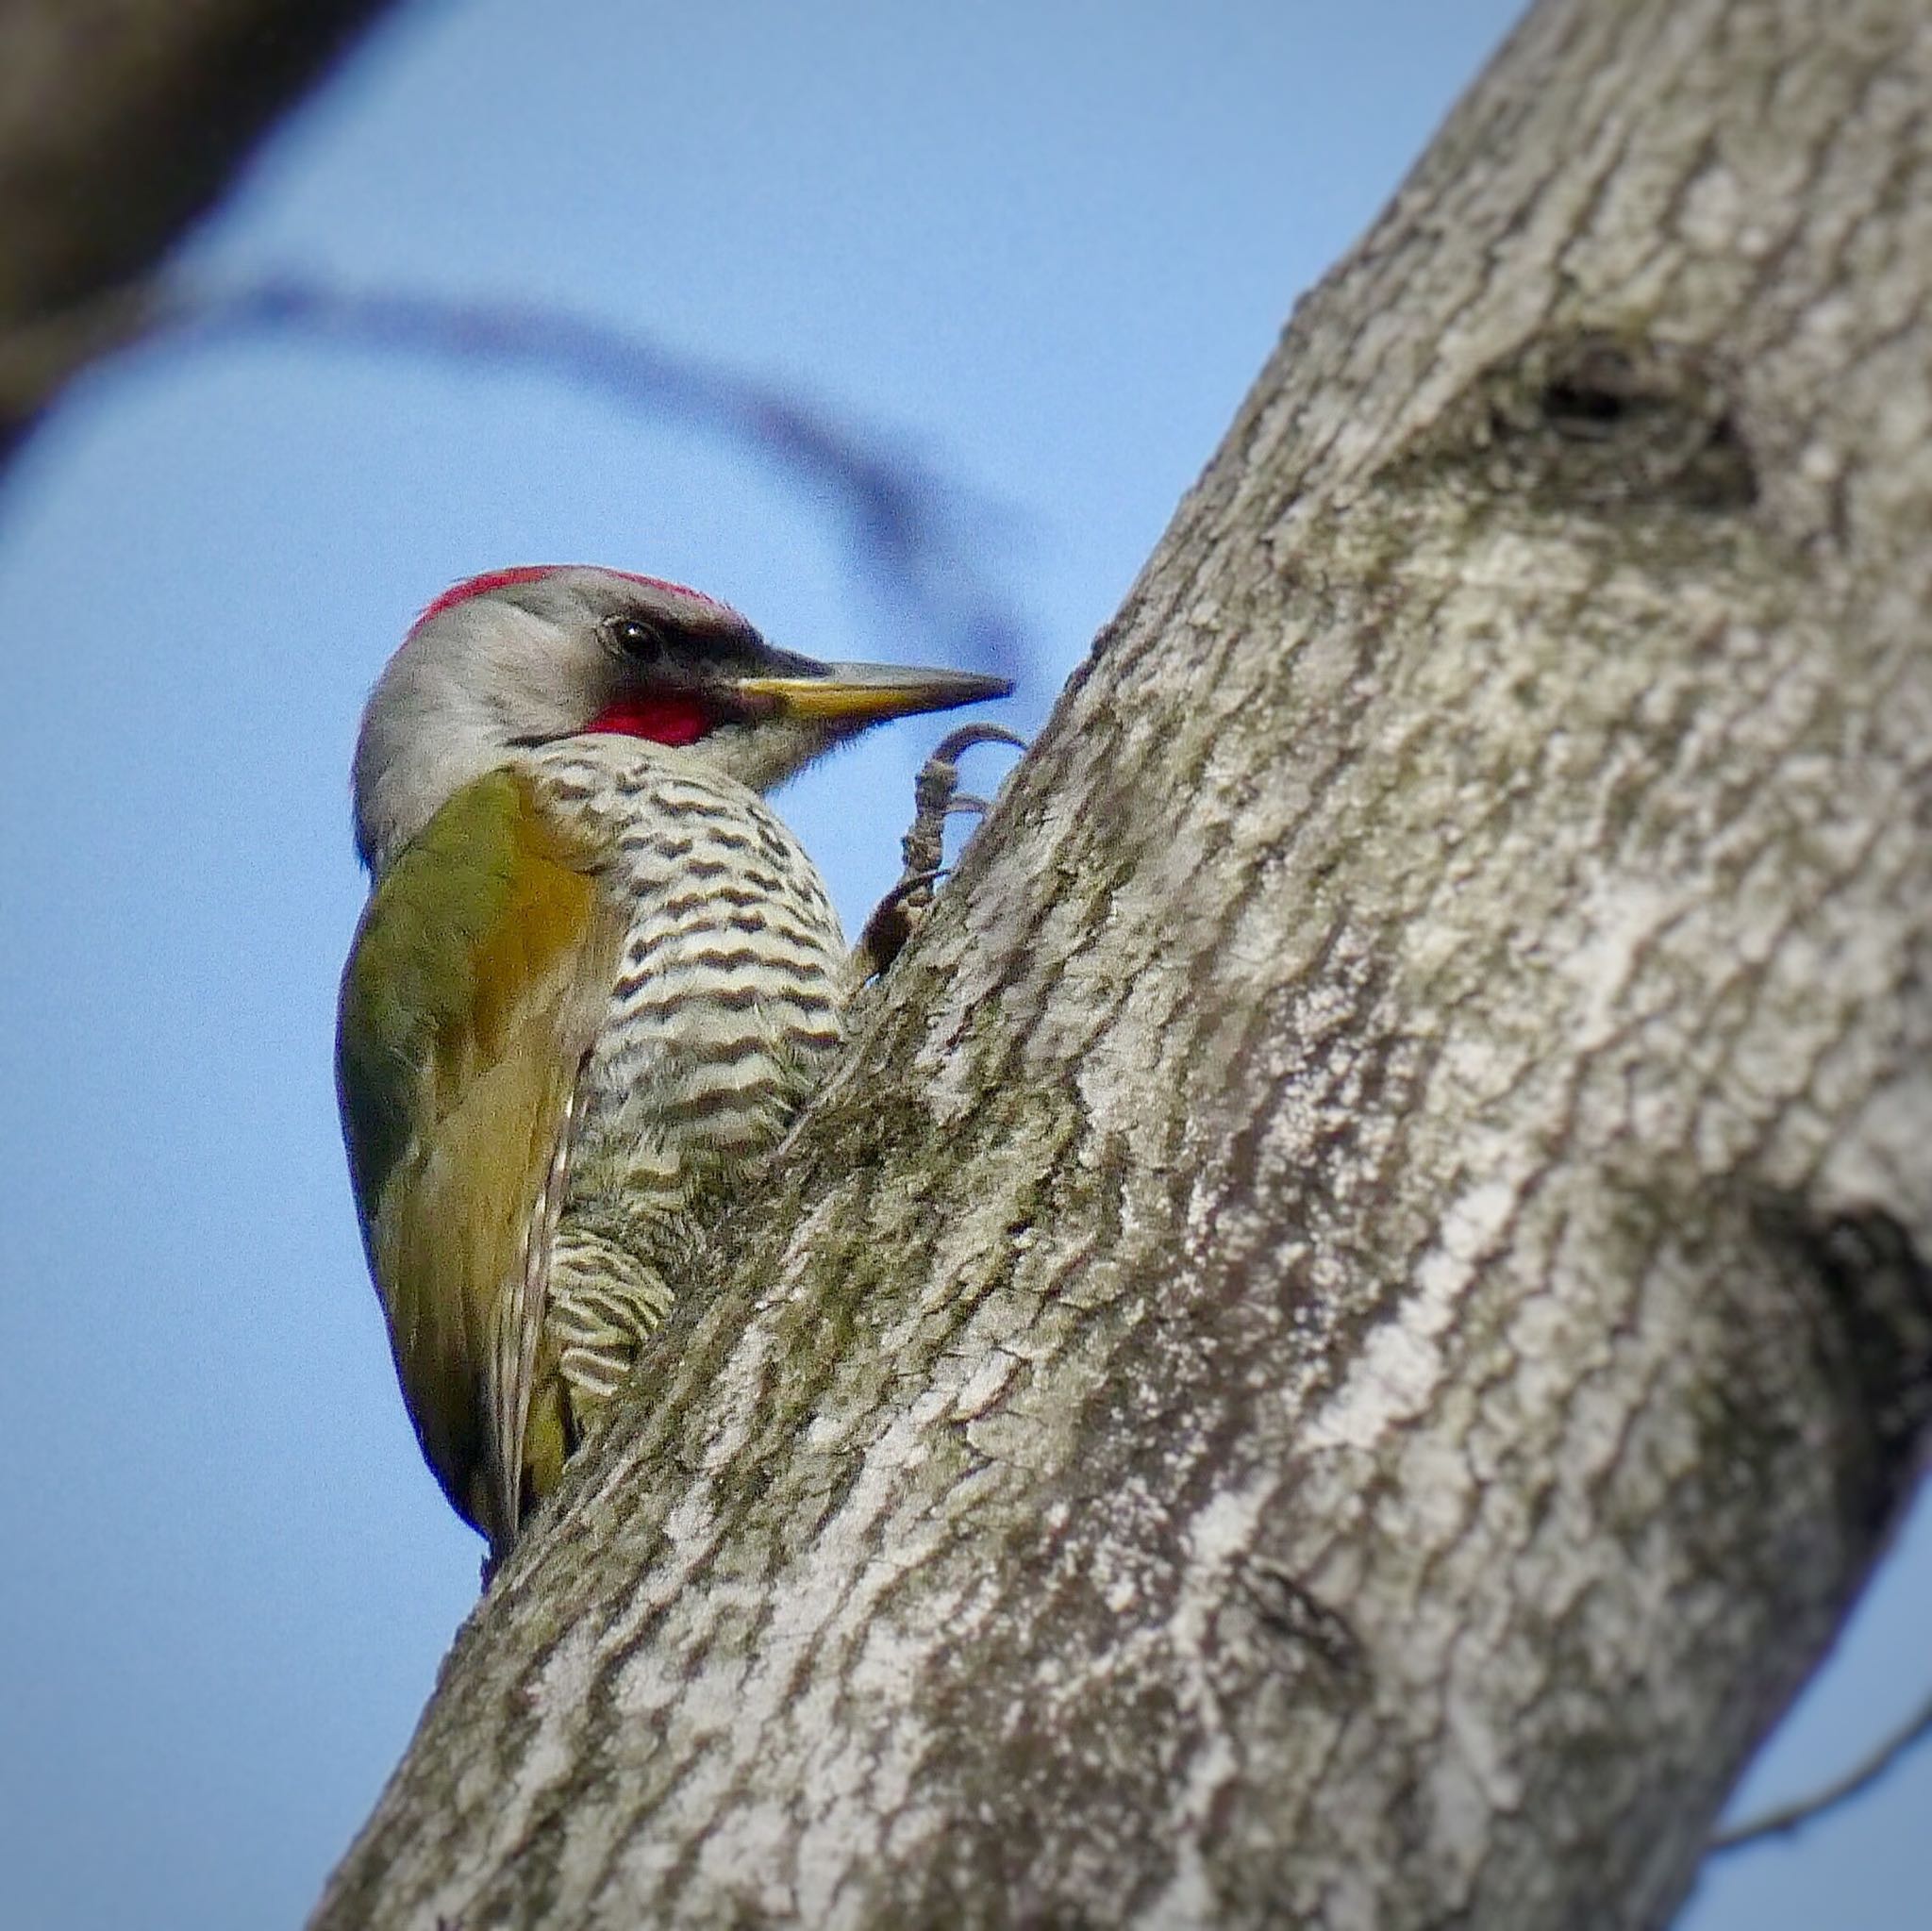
[936,797]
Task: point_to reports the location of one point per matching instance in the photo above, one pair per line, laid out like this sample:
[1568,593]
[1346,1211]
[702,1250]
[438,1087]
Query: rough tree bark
[121,122]
[1357,1313]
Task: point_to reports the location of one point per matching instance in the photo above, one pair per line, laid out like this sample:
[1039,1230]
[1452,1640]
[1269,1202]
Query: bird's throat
[669,717]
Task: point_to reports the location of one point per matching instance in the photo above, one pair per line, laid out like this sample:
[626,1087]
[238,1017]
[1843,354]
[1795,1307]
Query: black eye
[635,638]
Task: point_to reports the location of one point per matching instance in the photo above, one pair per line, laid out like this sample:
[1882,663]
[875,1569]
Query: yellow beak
[864,694]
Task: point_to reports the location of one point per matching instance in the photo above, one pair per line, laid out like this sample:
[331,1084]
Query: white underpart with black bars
[725,1008]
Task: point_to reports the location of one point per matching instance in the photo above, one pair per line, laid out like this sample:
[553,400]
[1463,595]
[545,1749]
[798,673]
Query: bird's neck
[415,755]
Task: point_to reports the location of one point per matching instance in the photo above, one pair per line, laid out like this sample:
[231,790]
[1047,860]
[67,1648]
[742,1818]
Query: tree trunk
[1355,1318]
[122,121]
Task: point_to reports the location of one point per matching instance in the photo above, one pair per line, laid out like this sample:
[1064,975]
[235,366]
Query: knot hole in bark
[1875,1299]
[1595,419]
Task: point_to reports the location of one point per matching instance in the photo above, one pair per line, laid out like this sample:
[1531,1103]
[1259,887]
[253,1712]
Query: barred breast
[725,1007]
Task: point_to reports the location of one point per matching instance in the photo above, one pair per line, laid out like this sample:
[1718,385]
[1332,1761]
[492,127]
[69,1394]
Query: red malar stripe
[675,717]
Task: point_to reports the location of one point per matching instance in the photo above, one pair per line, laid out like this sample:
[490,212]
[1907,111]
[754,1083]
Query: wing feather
[518,1328]
[471,997]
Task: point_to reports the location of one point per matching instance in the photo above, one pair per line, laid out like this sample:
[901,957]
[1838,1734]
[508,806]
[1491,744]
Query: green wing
[479,974]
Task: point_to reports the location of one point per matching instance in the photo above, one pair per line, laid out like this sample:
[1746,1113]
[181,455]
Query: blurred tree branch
[910,529]
[122,121]
[1789,1819]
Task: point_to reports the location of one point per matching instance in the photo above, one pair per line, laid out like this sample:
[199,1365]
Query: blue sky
[1042,248]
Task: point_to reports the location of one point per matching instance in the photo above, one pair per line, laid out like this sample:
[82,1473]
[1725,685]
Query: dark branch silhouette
[122,122]
[1789,1819]
[916,532]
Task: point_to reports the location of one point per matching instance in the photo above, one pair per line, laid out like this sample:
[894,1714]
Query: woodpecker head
[520,657]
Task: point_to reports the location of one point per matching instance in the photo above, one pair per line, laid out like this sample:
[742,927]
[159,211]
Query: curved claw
[893,922]
[935,799]
[949,747]
[910,887]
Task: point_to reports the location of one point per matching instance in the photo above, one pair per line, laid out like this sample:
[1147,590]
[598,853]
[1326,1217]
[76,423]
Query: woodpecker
[594,980]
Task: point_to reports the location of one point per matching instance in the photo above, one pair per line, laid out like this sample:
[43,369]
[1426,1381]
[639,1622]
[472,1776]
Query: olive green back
[476,979]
